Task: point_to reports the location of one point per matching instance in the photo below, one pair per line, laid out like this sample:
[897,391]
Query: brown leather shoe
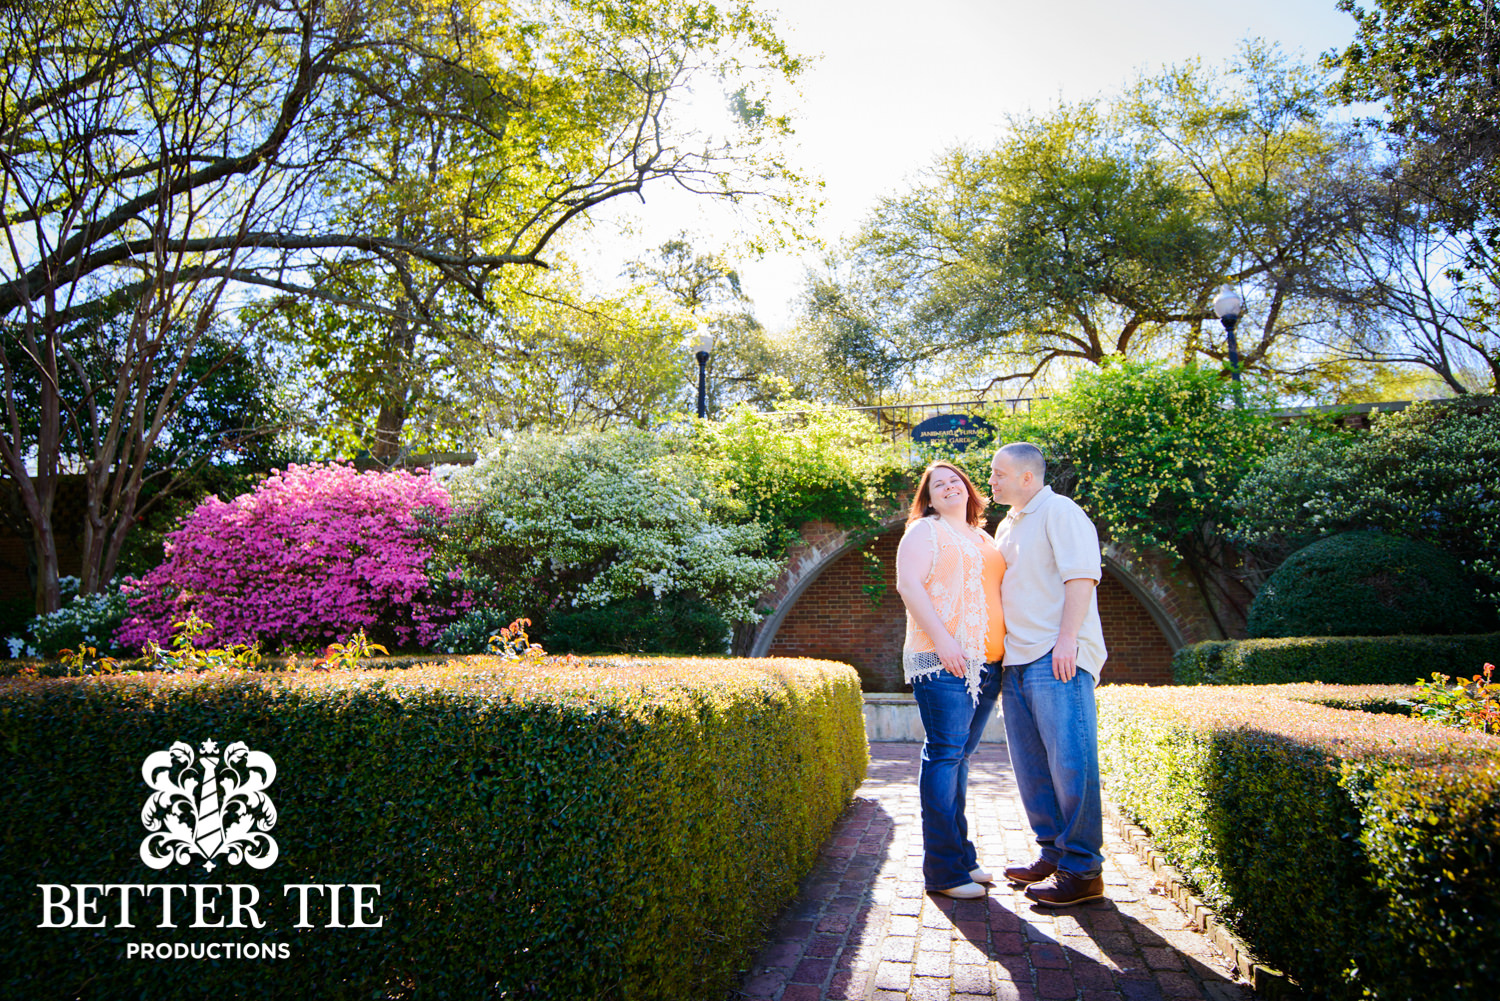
[1025,875]
[1065,889]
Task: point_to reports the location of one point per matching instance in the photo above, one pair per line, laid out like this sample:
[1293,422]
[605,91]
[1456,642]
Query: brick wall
[1138,652]
[834,619]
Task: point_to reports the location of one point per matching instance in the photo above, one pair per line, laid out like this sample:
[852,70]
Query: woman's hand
[951,654]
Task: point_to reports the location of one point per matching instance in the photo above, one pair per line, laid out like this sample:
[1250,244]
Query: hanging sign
[957,431]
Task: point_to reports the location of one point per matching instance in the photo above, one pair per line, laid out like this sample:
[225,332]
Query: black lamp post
[1229,307]
[703,346]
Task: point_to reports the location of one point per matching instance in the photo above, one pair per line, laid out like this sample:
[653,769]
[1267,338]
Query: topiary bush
[609,829]
[1368,584]
[312,554]
[1335,660]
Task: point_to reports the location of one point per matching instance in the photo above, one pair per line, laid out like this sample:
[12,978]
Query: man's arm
[1076,596]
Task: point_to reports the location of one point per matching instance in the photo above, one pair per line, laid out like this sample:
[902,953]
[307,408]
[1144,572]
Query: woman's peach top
[963,582]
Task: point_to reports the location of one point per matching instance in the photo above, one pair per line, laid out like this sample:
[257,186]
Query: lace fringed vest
[956,582]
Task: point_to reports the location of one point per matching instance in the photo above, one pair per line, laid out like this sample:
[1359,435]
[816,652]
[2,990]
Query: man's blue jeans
[953,724]
[1052,733]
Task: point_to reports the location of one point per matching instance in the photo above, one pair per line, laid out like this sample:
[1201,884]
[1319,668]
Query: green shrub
[678,624]
[1339,660]
[1355,851]
[545,522]
[1428,472]
[780,472]
[556,829]
[83,619]
[1368,584]
[471,631]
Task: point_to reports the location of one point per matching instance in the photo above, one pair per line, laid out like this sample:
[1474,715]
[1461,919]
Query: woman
[948,573]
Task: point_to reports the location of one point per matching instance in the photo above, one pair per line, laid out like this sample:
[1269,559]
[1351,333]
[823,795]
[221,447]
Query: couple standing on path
[1013,618]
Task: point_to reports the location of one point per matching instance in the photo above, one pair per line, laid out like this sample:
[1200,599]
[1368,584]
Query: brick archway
[820,610]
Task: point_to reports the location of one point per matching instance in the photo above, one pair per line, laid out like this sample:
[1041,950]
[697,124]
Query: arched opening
[828,614]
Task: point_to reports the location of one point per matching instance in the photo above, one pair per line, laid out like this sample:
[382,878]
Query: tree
[560,121]
[1257,147]
[1430,254]
[1098,231]
[1055,245]
[1435,66]
[1403,293]
[158,161]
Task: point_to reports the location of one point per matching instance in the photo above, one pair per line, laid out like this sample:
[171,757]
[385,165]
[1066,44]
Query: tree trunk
[387,444]
[397,396]
[36,496]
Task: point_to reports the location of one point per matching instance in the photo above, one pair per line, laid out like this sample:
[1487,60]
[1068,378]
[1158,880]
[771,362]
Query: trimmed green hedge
[1339,660]
[1368,584]
[1358,852]
[611,828]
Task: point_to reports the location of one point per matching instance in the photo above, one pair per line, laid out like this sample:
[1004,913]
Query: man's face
[1007,483]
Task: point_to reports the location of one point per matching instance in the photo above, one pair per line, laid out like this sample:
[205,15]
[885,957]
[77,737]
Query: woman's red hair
[921,504]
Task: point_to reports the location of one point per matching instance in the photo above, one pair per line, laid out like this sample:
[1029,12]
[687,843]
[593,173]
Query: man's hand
[1078,594]
[1065,658]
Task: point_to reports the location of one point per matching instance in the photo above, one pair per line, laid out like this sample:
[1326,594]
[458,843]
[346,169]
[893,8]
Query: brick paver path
[863,928]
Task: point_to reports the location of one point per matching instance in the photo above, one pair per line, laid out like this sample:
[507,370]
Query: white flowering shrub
[83,620]
[1430,472]
[546,524]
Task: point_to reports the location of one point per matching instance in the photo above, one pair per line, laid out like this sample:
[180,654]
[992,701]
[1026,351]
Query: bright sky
[894,84]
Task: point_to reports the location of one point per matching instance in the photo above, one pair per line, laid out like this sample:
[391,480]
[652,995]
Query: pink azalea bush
[310,555]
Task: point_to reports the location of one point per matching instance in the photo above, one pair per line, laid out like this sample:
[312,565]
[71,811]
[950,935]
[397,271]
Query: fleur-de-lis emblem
[208,805]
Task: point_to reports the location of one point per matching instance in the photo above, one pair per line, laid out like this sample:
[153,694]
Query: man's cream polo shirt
[1048,542]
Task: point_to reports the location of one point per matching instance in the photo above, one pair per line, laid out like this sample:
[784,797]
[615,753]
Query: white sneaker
[964,891]
[980,876]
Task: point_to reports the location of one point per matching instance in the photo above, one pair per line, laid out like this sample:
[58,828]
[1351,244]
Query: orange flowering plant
[1472,704]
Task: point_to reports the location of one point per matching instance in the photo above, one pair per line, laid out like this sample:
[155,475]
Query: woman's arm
[913,558]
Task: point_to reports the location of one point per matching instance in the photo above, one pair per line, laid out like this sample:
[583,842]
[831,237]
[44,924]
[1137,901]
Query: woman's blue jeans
[1052,733]
[953,724]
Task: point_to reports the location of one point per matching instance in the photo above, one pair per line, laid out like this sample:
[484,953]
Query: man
[1054,650]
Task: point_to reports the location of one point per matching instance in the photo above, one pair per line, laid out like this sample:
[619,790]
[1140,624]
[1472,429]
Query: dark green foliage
[15,614]
[1354,851]
[1336,660]
[781,472]
[1432,837]
[1368,584]
[471,631]
[615,829]
[1431,64]
[675,624]
[1428,472]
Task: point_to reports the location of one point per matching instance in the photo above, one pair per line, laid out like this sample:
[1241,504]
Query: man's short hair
[1027,456]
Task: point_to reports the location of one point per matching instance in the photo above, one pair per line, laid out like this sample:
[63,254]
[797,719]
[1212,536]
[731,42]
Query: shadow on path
[863,927]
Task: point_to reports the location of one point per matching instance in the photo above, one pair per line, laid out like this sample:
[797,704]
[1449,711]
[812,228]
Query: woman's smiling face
[947,491]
